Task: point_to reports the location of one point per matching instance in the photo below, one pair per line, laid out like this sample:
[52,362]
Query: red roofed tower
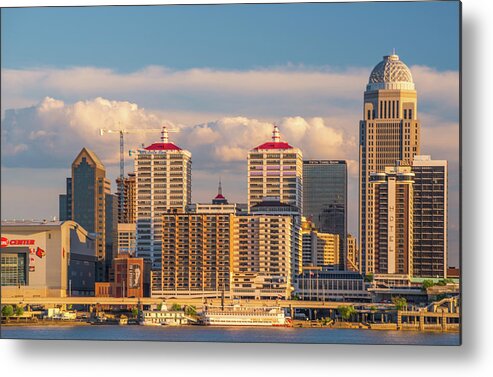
[275,169]
[163,174]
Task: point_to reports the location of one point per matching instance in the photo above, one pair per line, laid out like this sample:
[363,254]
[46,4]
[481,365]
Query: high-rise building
[261,257]
[430,217]
[392,221]
[65,202]
[275,169]
[272,206]
[196,255]
[389,132]
[163,173]
[325,199]
[126,210]
[90,190]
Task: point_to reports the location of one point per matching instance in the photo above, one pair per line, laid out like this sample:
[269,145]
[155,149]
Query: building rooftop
[165,144]
[391,73]
[276,142]
[163,147]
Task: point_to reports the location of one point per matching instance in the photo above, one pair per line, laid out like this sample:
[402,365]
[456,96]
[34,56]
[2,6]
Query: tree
[19,310]
[135,311]
[191,310]
[427,284]
[7,311]
[346,311]
[369,278]
[399,302]
[175,307]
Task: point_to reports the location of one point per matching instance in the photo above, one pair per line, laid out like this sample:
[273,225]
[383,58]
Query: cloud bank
[52,113]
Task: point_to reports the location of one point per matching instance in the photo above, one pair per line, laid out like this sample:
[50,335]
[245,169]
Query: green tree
[346,311]
[369,278]
[191,310]
[175,307]
[399,302]
[135,311]
[19,310]
[160,306]
[7,311]
[427,284]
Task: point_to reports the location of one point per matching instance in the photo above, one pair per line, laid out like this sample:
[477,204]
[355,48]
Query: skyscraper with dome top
[389,132]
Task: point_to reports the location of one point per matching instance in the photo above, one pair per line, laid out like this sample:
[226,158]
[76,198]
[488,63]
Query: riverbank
[296,324]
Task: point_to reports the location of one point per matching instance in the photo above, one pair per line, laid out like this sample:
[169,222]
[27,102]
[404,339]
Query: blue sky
[230,36]
[223,75]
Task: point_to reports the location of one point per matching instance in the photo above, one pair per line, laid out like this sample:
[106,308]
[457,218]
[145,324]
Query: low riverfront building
[47,259]
[325,285]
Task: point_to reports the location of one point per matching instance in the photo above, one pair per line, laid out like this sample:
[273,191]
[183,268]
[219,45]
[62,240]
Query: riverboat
[237,315]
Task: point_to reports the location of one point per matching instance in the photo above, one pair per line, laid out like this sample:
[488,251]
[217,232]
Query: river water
[230,334]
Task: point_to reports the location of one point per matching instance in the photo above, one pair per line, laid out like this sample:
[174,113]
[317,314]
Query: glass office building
[325,198]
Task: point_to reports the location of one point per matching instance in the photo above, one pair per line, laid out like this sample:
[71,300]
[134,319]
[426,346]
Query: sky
[223,75]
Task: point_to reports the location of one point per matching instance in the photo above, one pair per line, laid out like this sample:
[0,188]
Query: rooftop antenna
[219,189]
[276,137]
[393,51]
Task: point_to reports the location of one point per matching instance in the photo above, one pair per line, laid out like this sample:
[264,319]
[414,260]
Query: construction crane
[164,139]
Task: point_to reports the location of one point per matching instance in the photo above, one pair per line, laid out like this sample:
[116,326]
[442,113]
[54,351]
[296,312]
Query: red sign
[40,253]
[6,242]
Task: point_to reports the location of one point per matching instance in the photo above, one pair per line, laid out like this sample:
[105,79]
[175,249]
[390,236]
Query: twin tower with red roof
[163,184]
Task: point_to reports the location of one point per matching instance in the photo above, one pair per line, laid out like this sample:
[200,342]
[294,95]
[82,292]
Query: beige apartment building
[126,240]
[196,255]
[320,249]
[261,259]
[389,132]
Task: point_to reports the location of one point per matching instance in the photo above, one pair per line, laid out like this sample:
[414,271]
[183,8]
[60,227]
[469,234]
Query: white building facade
[275,169]
[163,183]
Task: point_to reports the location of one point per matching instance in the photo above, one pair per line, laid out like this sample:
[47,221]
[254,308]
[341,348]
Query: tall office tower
[389,132]
[430,217]
[261,257]
[195,255]
[392,221]
[163,173]
[127,214]
[275,169]
[90,190]
[352,260]
[65,202]
[325,199]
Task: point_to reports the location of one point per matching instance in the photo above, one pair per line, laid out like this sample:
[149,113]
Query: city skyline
[316,104]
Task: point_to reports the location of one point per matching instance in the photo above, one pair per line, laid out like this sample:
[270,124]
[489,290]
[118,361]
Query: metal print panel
[232,173]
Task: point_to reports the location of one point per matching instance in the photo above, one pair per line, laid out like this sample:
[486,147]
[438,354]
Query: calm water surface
[230,334]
